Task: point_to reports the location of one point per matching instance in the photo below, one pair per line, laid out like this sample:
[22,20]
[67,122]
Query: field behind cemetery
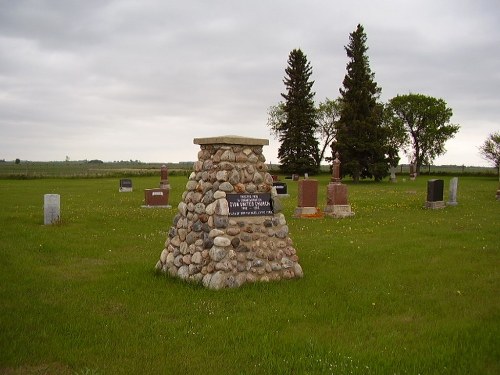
[397,289]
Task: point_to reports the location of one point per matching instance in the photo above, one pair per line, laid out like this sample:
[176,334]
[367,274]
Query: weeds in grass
[395,289]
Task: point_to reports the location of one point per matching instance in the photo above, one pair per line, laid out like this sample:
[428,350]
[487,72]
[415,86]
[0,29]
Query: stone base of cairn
[216,241]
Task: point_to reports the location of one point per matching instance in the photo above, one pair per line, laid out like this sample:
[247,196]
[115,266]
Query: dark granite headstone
[435,190]
[435,194]
[281,188]
[125,185]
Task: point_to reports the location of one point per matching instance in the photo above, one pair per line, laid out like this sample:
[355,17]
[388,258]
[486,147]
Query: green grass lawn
[397,289]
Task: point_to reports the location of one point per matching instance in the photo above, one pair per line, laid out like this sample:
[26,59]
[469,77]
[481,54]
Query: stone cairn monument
[337,205]
[228,230]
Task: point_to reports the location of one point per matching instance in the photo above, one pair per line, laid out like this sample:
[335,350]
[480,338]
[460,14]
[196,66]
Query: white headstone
[393,174]
[452,198]
[51,208]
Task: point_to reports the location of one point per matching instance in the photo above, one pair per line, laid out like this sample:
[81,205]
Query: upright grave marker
[125,185]
[51,209]
[307,200]
[229,229]
[337,204]
[158,197]
[452,197]
[413,171]
[393,177]
[435,194]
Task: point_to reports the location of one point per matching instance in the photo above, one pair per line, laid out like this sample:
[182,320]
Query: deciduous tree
[426,121]
[490,150]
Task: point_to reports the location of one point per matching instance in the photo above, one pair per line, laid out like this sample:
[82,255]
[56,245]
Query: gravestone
[452,197]
[229,230]
[435,194]
[393,177]
[125,185]
[337,204]
[281,189]
[158,197]
[164,184]
[307,200]
[51,209]
[413,171]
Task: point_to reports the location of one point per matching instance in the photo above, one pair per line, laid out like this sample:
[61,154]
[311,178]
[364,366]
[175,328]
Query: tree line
[366,133]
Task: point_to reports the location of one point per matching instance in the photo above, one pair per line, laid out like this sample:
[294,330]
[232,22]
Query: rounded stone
[219,194]
[183,248]
[208,197]
[241,157]
[210,209]
[257,178]
[192,237]
[170,259]
[222,241]
[282,232]
[206,280]
[226,166]
[196,258]
[218,280]
[234,177]
[199,208]
[226,186]
[233,231]
[235,242]
[239,188]
[186,259]
[222,207]
[178,261]
[191,185]
[222,175]
[217,253]
[183,272]
[182,207]
[215,232]
[220,221]
[228,155]
[208,165]
[251,188]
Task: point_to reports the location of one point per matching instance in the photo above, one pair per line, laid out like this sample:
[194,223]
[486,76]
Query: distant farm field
[92,169]
[396,289]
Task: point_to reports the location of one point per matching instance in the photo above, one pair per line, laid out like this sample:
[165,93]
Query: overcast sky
[139,79]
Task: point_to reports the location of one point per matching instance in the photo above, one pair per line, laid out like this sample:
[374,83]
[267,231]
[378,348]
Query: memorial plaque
[250,204]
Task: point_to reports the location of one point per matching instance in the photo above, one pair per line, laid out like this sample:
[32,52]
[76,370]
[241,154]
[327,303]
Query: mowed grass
[397,289]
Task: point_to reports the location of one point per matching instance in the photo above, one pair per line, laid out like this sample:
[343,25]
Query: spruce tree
[299,151]
[361,139]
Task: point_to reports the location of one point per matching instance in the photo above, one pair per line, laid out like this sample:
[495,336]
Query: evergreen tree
[299,151]
[361,139]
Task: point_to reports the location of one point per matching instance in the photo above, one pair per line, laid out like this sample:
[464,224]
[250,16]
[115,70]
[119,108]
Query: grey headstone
[452,198]
[51,209]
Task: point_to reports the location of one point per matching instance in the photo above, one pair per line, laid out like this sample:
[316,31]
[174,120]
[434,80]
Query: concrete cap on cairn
[231,140]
